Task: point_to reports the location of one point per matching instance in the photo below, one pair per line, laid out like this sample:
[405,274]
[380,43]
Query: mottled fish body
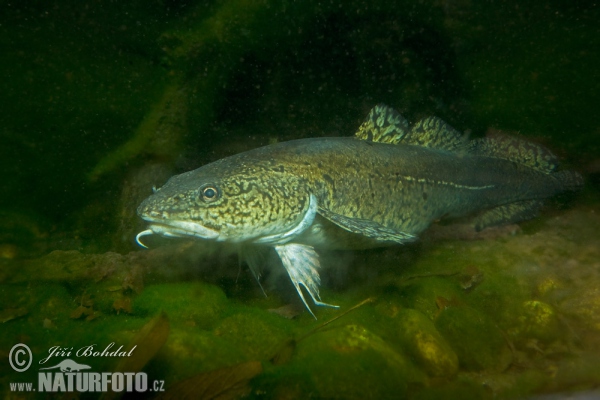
[384,186]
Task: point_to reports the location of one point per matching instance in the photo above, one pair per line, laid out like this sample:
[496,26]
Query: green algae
[257,334]
[537,320]
[539,290]
[425,330]
[421,327]
[190,350]
[423,294]
[341,361]
[486,347]
[459,390]
[195,303]
[421,340]
[159,133]
[48,323]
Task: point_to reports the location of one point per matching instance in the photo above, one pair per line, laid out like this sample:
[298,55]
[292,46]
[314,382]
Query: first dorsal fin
[383,125]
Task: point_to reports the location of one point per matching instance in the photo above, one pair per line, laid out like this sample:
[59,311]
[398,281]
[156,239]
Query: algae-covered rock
[29,305]
[423,294]
[350,362]
[192,350]
[537,320]
[584,305]
[195,303]
[231,382]
[422,341]
[477,341]
[456,390]
[257,333]
[21,234]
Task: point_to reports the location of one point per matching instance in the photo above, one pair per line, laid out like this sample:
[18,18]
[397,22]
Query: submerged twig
[287,349]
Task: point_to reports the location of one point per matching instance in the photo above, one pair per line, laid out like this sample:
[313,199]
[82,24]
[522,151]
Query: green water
[102,101]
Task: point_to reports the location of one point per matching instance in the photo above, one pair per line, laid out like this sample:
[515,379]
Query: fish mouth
[176,229]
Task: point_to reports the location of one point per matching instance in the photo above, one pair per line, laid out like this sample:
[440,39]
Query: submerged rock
[351,362]
[478,342]
[422,341]
[537,320]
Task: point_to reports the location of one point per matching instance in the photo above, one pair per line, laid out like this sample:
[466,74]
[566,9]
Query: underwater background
[103,100]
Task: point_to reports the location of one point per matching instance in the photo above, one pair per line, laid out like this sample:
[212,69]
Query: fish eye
[209,193]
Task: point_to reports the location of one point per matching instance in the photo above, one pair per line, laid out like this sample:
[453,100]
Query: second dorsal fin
[498,145]
[434,133]
[386,125]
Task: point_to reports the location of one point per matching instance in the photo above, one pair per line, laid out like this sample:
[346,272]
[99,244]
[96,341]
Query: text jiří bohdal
[91,350]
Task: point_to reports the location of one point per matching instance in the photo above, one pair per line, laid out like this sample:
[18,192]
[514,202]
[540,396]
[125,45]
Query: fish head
[232,201]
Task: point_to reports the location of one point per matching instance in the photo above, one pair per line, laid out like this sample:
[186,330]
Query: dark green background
[78,78]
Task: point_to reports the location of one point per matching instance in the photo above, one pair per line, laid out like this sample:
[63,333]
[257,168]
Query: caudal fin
[569,180]
[528,154]
[532,155]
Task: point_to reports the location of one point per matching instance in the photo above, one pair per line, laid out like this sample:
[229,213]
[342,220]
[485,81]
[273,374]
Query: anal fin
[507,214]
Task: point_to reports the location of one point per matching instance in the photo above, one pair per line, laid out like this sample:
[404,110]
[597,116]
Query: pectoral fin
[301,263]
[368,228]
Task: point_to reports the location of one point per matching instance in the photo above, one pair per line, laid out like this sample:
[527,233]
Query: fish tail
[534,156]
[568,180]
[529,154]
